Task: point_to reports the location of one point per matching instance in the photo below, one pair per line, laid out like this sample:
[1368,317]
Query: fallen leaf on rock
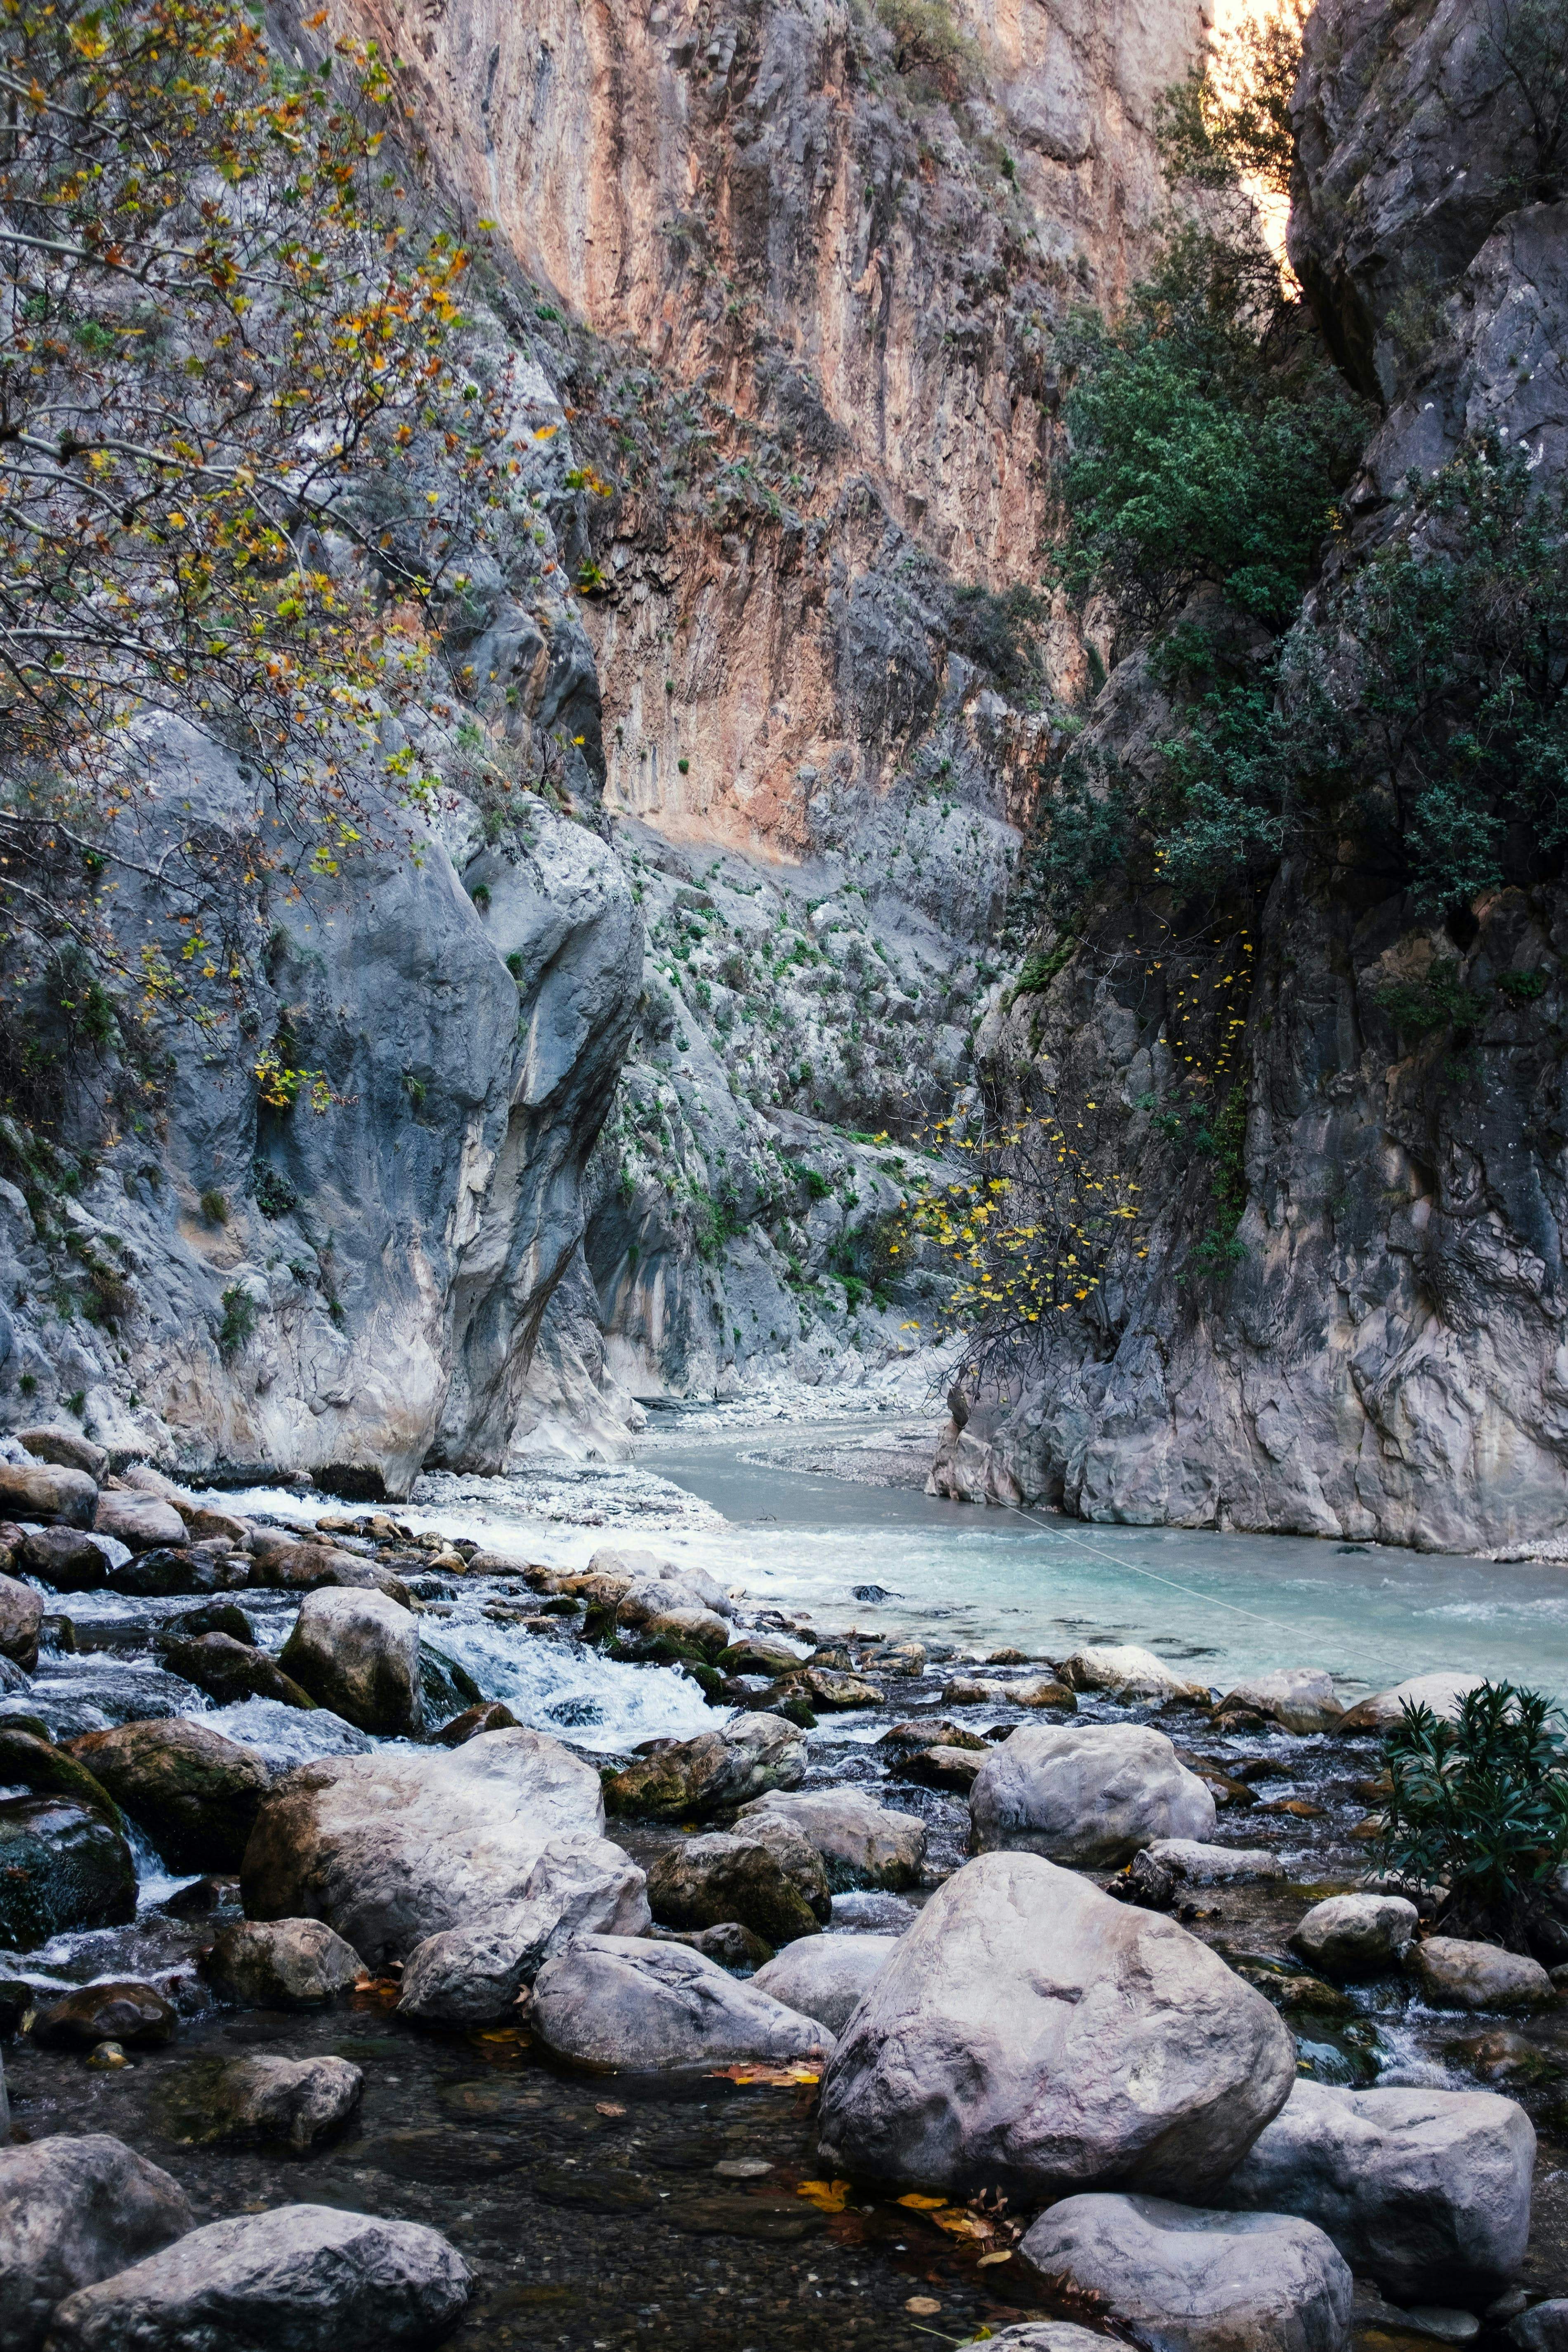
[784,2077]
[827,2196]
[917,2204]
[960,2224]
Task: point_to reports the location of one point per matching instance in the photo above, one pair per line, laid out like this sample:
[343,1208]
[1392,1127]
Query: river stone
[358,1653]
[1031,2034]
[282,1963]
[692,1628]
[73,2211]
[179,1567]
[1029,1690]
[472,1974]
[295,2101]
[1543,2329]
[489,1715]
[1129,1673]
[1356,1934]
[760,1654]
[953,1768]
[193,1793]
[303,2278]
[230,1671]
[825,1977]
[395,1847]
[65,1558]
[1440,1691]
[711,1879]
[1089,1793]
[1425,2191]
[21,1614]
[1046,2335]
[862,1843]
[623,2001]
[63,1865]
[1189,2280]
[829,1691]
[1169,1863]
[1299,1699]
[1454,1974]
[715,1770]
[67,1449]
[139,1521]
[130,2012]
[50,1494]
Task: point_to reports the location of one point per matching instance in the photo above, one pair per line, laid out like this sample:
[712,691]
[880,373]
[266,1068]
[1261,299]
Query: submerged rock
[472,1974]
[192,1792]
[712,1772]
[862,1843]
[393,1847]
[826,1977]
[1030,2034]
[1425,2191]
[304,2278]
[358,1653]
[245,2102]
[711,1879]
[1197,2281]
[1356,1934]
[73,2211]
[133,2014]
[282,1963]
[1089,1793]
[623,2001]
[1454,1974]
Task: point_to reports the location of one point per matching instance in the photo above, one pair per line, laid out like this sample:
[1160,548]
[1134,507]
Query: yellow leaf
[827,2196]
[917,2204]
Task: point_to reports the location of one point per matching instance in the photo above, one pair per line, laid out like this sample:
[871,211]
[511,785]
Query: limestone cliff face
[1388,1355]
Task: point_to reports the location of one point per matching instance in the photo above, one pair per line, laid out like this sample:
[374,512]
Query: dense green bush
[1480,1806]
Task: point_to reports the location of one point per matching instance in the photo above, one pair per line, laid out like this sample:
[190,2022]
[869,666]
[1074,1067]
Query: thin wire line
[1098,1551]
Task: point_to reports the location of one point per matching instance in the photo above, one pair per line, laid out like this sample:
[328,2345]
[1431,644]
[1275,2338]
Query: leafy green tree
[1480,1806]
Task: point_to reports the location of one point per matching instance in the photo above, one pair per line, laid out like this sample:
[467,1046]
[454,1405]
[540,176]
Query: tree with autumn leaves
[227,387]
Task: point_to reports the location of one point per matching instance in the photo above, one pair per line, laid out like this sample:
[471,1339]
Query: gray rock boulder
[1189,2280]
[66,1448]
[391,1848]
[1126,1672]
[1425,2191]
[1542,2329]
[294,2103]
[357,1652]
[282,1963]
[231,1671]
[303,2278]
[1453,1973]
[1030,2034]
[1440,1691]
[862,1843]
[73,2211]
[1046,2335]
[21,1614]
[1299,1699]
[718,1769]
[472,1974]
[63,1864]
[68,1559]
[777,1888]
[1356,1934]
[826,1977]
[1087,1794]
[193,1793]
[50,1494]
[141,1522]
[1156,1875]
[622,2002]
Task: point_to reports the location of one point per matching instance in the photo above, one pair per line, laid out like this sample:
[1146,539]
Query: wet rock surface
[73,2211]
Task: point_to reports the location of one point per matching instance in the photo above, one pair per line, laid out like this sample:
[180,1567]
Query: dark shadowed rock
[252,2101]
[64,1558]
[62,1865]
[282,1963]
[21,1614]
[717,1878]
[192,1792]
[715,1770]
[228,1671]
[489,1715]
[134,2014]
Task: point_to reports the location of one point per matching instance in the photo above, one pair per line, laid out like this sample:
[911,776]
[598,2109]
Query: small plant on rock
[1480,1806]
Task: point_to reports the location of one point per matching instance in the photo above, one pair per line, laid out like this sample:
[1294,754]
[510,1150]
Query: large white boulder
[1031,2034]
[1453,1973]
[826,1977]
[472,1974]
[395,1847]
[1440,1691]
[1189,2280]
[1087,1794]
[862,1843]
[1356,1934]
[326,2282]
[71,2211]
[1127,1671]
[357,1652]
[620,2000]
[1425,2191]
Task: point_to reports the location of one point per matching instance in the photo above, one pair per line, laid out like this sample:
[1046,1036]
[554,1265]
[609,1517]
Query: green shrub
[928,46]
[1420,1008]
[274,1195]
[214,1207]
[238,1322]
[1041,966]
[1522,987]
[1479,1805]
